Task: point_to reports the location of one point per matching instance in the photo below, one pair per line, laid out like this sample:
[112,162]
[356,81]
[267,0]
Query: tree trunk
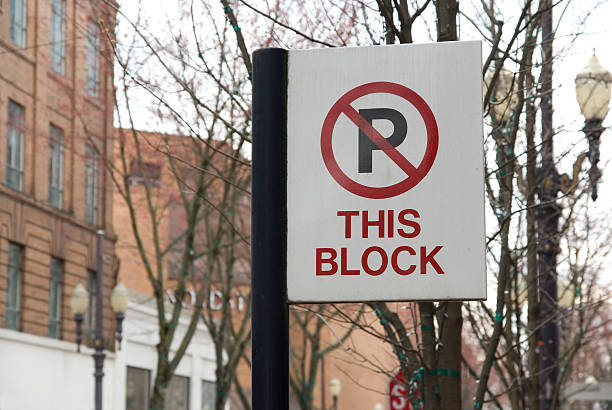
[162,378]
[449,356]
[426,310]
[533,402]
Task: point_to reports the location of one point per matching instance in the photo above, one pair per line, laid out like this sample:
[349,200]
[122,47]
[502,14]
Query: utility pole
[547,216]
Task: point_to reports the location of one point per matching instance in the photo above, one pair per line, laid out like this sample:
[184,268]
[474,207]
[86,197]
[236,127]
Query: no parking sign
[385,196]
[368,185]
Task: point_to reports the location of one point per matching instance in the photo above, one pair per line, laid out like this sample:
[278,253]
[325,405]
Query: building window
[177,395]
[137,389]
[18,22]
[90,316]
[56,166]
[93,59]
[13,296]
[58,36]
[208,395]
[14,152]
[144,173]
[91,185]
[55,298]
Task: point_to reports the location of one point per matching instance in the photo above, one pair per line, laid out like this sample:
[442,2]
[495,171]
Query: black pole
[547,215]
[98,340]
[593,129]
[270,321]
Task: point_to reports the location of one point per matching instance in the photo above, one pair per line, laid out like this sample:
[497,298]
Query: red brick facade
[26,217]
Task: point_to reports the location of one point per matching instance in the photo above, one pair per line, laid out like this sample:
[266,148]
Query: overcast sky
[573,53]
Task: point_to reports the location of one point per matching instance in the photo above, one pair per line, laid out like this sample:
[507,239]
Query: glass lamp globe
[79,299]
[593,86]
[378,406]
[119,298]
[504,98]
[334,387]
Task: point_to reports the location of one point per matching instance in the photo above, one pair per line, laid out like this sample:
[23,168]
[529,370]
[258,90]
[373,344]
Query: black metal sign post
[270,321]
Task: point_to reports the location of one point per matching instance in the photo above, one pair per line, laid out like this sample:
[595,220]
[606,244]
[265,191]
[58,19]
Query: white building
[40,373]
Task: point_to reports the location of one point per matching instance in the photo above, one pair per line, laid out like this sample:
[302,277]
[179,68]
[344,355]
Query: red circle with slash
[414,174]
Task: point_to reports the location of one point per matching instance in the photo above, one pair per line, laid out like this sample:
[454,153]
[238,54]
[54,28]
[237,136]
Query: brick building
[362,386]
[56,119]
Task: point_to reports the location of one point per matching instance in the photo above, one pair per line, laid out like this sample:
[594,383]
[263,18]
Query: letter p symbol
[366,146]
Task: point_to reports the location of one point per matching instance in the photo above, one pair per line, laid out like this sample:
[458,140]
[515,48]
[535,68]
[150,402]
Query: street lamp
[503,100]
[78,303]
[119,302]
[593,86]
[79,300]
[378,406]
[334,389]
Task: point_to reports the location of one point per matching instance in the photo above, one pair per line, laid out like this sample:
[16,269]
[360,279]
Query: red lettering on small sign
[366,223]
[395,265]
[343,261]
[347,221]
[366,265]
[330,260]
[416,228]
[429,258]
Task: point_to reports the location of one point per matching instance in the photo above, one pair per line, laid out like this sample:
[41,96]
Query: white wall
[140,351]
[38,373]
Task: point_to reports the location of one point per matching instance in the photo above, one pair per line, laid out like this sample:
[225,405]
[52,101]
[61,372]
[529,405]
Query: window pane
[91,186]
[55,298]
[137,389]
[13,287]
[208,395]
[18,22]
[14,151]
[177,395]
[93,63]
[56,166]
[58,30]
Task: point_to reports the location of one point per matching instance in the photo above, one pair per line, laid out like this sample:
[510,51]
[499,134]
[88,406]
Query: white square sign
[385,194]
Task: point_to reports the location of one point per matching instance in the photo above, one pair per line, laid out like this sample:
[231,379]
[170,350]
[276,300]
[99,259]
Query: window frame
[56,166]
[12,316]
[58,36]
[92,184]
[90,315]
[18,24]
[145,405]
[173,385]
[205,399]
[56,268]
[15,145]
[93,59]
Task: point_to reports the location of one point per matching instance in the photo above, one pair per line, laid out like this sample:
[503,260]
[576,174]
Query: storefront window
[137,389]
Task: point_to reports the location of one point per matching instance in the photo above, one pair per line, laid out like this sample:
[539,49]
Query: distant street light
[593,86]
[119,302]
[503,100]
[79,301]
[334,389]
[378,406]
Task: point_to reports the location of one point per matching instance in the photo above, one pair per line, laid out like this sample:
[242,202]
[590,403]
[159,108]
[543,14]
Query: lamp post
[593,95]
[593,86]
[79,300]
[334,389]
